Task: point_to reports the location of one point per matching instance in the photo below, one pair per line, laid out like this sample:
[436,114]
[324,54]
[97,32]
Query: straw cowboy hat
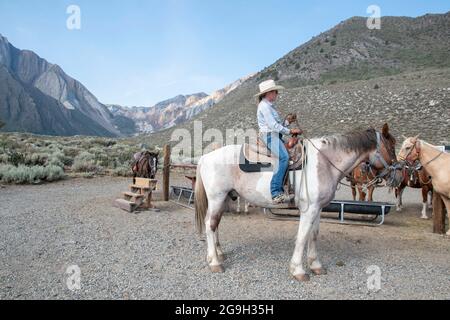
[268,86]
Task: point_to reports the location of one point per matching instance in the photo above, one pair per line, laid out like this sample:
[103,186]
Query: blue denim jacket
[269,119]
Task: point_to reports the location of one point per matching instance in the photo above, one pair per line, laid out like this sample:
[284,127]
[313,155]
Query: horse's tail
[201,202]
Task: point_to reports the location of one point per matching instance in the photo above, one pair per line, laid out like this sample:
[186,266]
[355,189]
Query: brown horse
[363,177]
[416,177]
[145,164]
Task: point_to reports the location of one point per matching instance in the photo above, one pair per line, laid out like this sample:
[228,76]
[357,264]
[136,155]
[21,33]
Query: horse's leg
[247,204]
[219,250]
[353,186]
[370,194]
[430,197]
[306,222]
[313,261]
[215,211]
[424,202]
[362,194]
[238,205]
[399,193]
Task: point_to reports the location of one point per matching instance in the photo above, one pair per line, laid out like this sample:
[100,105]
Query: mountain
[350,76]
[39,97]
[169,113]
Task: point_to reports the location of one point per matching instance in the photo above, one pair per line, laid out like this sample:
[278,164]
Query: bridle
[418,149]
[389,171]
[414,147]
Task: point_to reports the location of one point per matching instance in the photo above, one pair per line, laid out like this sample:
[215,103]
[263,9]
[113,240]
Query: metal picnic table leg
[190,198]
[383,209]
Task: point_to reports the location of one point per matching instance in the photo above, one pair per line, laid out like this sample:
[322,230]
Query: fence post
[166,172]
[438,214]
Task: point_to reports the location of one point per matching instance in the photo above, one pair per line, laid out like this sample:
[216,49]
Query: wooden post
[438,214]
[166,173]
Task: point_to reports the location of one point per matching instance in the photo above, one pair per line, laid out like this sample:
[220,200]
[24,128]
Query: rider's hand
[296,132]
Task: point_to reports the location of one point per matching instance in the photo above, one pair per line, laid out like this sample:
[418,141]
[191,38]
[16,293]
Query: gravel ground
[44,229]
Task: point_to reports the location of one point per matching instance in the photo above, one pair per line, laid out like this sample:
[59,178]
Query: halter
[389,170]
[405,158]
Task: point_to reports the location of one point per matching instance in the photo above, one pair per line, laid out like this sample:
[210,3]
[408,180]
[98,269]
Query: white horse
[329,159]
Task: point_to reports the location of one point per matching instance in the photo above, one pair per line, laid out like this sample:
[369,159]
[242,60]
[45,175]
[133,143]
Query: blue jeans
[276,146]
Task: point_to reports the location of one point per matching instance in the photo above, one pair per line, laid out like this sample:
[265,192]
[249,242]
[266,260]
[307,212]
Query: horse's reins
[384,173]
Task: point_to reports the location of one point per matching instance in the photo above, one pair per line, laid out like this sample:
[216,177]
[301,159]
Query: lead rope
[304,180]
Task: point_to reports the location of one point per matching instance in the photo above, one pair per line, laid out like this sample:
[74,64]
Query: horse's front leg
[424,202]
[353,186]
[307,220]
[399,193]
[370,194]
[313,261]
[362,194]
[430,198]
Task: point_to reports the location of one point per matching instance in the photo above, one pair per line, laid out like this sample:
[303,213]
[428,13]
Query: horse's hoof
[217,269]
[302,277]
[424,218]
[319,272]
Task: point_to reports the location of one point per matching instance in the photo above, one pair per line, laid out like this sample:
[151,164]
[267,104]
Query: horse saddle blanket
[258,158]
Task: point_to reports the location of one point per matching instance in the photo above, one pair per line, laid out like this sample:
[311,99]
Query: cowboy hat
[268,86]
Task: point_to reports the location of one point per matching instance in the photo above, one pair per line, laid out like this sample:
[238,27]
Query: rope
[304,177]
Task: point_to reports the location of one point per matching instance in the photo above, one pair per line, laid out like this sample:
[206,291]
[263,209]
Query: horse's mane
[357,140]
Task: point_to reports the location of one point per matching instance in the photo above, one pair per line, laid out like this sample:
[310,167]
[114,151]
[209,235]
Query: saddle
[258,158]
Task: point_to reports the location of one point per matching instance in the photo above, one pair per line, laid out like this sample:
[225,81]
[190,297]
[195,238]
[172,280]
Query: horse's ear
[385,130]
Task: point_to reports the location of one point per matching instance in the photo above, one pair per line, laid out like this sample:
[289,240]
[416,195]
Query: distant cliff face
[169,113]
[38,97]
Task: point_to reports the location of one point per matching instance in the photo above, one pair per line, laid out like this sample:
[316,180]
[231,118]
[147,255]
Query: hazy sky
[139,52]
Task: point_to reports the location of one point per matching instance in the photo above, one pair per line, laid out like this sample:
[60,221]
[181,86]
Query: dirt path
[44,229]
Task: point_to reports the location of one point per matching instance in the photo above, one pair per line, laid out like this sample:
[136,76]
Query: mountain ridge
[43,89]
[349,53]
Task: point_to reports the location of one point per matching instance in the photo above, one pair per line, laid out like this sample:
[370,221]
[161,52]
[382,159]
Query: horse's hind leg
[219,250]
[215,211]
[313,260]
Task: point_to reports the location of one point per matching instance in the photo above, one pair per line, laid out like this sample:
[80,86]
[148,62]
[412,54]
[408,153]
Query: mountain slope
[38,97]
[400,59]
